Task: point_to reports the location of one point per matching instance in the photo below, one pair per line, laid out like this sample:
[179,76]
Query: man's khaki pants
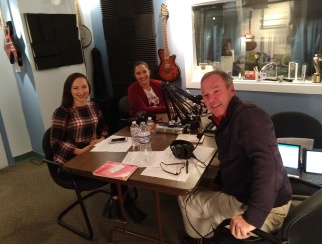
[204,210]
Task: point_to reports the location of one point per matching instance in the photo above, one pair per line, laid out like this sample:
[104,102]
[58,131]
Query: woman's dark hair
[227,79]
[137,63]
[68,100]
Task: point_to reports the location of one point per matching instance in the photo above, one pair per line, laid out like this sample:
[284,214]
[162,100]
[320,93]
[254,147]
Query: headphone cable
[185,208]
[199,136]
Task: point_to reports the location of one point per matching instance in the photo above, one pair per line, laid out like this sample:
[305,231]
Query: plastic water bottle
[134,134]
[144,136]
[150,124]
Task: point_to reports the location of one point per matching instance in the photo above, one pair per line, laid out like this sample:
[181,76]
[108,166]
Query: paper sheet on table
[105,146]
[156,158]
[133,158]
[201,153]
[190,138]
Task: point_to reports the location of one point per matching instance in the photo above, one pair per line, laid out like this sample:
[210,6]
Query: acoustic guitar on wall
[168,69]
[84,32]
[250,43]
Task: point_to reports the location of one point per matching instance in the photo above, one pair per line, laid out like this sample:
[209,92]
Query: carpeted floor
[31,202]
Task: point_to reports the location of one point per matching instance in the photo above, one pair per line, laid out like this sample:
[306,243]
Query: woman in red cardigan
[145,94]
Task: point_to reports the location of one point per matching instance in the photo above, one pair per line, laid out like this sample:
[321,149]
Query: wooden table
[87,162]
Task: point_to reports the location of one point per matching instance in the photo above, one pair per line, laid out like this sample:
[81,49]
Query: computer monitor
[312,161]
[290,154]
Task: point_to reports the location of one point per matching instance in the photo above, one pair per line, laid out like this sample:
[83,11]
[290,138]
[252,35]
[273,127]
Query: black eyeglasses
[174,168]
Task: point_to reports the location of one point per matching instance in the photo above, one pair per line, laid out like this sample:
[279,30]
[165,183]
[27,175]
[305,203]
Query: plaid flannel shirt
[75,128]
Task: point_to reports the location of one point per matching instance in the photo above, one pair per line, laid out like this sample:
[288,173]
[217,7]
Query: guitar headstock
[164,10]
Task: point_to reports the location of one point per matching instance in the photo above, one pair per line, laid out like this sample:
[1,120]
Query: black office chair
[297,124]
[69,181]
[302,225]
[124,112]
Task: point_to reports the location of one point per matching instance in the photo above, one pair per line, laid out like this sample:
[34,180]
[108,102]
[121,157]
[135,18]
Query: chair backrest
[46,145]
[63,181]
[303,223]
[52,166]
[297,124]
[124,107]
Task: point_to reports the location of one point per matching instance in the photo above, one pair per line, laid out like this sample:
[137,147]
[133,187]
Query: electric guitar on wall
[10,46]
[168,69]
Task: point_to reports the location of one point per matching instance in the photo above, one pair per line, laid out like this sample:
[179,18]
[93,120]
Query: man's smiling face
[216,95]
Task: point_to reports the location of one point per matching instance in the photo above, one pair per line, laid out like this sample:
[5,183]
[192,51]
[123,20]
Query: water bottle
[150,124]
[144,136]
[134,134]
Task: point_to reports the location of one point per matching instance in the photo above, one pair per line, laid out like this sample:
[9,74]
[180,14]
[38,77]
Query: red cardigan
[139,100]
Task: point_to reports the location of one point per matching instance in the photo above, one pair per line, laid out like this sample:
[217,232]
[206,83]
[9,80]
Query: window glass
[280,37]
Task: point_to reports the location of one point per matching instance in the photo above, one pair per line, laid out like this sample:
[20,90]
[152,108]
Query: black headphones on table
[182,149]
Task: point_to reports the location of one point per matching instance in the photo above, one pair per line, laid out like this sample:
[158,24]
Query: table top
[87,162]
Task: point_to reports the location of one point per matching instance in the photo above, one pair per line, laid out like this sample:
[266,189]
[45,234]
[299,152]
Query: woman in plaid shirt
[77,125]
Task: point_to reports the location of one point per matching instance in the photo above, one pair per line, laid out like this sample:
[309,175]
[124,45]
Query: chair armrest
[261,234]
[266,236]
[68,182]
[58,166]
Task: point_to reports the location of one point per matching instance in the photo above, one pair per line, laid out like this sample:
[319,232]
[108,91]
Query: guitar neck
[2,22]
[250,22]
[165,38]
[79,20]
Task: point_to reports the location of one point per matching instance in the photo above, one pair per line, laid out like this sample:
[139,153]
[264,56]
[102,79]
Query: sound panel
[129,36]
[51,48]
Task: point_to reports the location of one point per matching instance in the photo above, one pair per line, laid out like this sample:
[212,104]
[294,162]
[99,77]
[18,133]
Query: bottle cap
[133,122]
[149,118]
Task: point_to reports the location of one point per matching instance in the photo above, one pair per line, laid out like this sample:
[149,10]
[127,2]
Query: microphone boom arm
[179,110]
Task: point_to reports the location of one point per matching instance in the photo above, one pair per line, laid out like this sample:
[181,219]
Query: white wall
[3,158]
[49,83]
[27,90]
[10,105]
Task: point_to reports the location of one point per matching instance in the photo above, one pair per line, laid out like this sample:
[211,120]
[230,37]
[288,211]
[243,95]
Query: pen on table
[187,163]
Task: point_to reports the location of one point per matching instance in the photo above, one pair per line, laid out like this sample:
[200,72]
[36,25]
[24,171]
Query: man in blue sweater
[251,186]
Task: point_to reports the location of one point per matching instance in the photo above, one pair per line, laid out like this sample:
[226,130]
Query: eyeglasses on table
[174,168]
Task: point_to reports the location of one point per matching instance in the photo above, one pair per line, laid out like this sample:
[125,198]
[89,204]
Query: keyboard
[314,178]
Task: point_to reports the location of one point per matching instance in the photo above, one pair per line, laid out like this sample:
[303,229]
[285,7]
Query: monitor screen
[313,161]
[290,154]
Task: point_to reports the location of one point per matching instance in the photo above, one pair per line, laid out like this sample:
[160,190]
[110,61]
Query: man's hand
[239,228]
